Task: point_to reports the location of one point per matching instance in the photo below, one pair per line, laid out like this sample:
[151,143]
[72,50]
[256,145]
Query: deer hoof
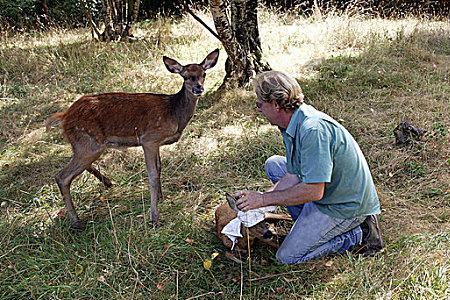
[107,183]
[77,226]
[155,219]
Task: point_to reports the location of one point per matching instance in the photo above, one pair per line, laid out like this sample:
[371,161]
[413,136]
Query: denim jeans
[314,234]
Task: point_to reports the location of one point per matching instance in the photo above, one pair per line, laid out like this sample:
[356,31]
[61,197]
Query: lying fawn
[116,120]
[259,232]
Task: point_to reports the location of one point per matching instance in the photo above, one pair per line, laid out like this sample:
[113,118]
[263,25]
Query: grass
[368,73]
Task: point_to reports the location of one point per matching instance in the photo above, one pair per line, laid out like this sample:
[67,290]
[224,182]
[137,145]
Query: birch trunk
[118,17]
[239,36]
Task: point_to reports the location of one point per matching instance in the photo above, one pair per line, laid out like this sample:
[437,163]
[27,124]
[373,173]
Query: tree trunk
[43,14]
[117,16]
[245,23]
[239,36]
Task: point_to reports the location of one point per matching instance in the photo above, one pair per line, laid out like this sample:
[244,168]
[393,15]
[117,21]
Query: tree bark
[44,13]
[239,36]
[118,17]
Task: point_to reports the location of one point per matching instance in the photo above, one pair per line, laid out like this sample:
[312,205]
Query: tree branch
[201,22]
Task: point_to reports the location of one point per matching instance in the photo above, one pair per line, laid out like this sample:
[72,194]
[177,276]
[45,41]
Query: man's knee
[286,257]
[275,167]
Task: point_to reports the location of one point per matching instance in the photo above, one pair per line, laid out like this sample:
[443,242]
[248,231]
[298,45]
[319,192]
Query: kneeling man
[324,180]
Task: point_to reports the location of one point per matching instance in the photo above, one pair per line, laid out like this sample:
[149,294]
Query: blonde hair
[277,86]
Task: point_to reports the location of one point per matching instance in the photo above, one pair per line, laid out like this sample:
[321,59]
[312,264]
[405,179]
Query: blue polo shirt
[319,149]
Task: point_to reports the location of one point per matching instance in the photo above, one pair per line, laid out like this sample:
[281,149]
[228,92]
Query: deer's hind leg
[103,179]
[85,151]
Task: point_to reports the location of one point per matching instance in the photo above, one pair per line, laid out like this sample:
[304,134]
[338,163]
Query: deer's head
[193,74]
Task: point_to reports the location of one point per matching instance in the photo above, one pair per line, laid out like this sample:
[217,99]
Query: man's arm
[285,182]
[288,191]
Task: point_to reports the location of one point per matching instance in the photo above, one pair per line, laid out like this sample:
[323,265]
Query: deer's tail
[54,120]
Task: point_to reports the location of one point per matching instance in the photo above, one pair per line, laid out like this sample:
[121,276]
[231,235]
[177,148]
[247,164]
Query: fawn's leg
[103,179]
[85,152]
[152,160]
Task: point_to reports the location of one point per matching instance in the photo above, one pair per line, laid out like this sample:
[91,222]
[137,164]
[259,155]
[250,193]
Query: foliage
[384,8]
[169,8]
[17,13]
[368,73]
[25,13]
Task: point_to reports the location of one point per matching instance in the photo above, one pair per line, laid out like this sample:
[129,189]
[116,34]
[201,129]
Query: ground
[366,72]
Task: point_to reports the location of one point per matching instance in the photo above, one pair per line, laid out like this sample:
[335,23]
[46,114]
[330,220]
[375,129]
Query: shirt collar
[296,119]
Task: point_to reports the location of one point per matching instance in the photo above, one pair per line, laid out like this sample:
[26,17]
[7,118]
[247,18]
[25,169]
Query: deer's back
[119,115]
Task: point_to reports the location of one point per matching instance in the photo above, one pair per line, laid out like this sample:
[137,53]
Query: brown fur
[224,214]
[114,120]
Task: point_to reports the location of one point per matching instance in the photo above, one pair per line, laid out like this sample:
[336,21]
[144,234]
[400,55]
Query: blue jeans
[314,234]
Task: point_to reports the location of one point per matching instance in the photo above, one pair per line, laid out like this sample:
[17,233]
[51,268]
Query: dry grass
[368,73]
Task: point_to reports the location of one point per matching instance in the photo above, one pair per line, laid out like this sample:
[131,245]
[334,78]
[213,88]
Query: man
[324,180]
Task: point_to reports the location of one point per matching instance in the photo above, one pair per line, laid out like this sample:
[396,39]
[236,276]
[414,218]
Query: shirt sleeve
[316,156]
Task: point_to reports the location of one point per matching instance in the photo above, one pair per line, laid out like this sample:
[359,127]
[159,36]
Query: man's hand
[247,200]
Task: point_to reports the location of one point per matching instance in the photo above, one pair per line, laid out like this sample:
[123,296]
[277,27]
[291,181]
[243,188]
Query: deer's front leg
[152,160]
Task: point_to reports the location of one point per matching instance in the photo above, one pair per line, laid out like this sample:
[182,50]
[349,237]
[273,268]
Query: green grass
[368,73]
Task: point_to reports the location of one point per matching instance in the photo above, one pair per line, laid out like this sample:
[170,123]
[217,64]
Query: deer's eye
[192,78]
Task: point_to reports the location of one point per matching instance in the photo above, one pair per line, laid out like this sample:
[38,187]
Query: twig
[164,253]
[129,260]
[407,277]
[14,248]
[49,216]
[242,277]
[249,261]
[275,275]
[205,294]
[114,231]
[176,297]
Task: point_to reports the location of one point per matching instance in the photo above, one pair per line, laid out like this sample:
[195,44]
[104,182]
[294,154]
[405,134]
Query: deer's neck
[184,106]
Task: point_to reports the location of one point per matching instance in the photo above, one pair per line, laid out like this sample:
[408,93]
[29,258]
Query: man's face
[269,110]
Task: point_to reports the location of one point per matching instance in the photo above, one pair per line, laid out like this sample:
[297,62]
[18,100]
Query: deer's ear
[172,65]
[210,60]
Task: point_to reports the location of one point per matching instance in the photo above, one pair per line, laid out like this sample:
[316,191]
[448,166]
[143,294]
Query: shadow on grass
[122,250]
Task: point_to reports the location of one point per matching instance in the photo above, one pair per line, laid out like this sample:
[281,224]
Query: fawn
[116,120]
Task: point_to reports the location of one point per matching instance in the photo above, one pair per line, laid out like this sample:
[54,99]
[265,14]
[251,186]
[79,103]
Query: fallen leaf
[60,213]
[79,270]
[103,199]
[161,286]
[214,255]
[329,263]
[189,241]
[390,174]
[279,290]
[101,278]
[207,264]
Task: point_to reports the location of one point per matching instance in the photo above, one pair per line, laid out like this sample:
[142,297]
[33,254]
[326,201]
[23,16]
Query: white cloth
[250,218]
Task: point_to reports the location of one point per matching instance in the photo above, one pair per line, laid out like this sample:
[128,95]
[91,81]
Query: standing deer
[116,120]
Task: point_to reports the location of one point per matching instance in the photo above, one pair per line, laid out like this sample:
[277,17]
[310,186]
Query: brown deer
[116,120]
